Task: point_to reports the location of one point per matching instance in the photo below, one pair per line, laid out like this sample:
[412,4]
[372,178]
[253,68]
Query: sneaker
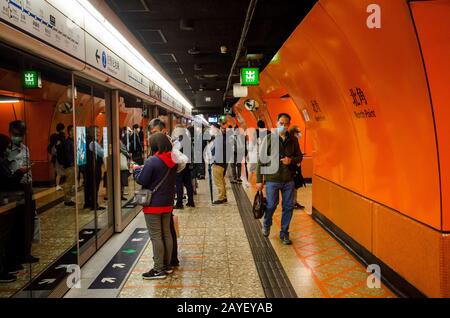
[169,269]
[218,202]
[70,203]
[285,240]
[225,200]
[58,188]
[7,278]
[153,274]
[265,231]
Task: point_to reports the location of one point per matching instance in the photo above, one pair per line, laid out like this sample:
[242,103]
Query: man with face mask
[18,157]
[282,180]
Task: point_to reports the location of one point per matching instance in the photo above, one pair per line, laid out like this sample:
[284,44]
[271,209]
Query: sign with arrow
[110,280]
[115,272]
[47,281]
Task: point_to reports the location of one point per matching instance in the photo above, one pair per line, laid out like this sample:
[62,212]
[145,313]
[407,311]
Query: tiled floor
[216,259]
[215,256]
[316,264]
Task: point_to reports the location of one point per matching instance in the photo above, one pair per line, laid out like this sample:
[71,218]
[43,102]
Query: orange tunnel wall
[372,127]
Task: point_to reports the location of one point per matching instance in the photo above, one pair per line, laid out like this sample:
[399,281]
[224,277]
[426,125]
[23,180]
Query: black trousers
[92,181]
[174,259]
[184,179]
[236,170]
[18,248]
[6,226]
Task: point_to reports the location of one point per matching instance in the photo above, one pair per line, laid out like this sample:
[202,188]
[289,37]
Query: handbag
[259,205]
[143,197]
[123,162]
[298,178]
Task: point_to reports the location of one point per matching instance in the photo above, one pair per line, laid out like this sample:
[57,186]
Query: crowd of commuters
[223,146]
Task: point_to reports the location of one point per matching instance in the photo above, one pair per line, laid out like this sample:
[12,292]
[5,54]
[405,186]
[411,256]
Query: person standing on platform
[155,126]
[282,180]
[18,157]
[220,160]
[136,145]
[295,131]
[159,170]
[69,185]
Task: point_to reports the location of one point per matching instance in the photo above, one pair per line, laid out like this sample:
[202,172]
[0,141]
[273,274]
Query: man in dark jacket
[281,180]
[220,158]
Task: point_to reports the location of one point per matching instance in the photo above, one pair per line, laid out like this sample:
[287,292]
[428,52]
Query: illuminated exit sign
[31,79]
[250,76]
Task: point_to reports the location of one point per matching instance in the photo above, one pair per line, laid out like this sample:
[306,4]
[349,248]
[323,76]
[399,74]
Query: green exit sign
[31,79]
[250,76]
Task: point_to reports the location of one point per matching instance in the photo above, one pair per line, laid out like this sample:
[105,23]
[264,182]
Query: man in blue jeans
[282,179]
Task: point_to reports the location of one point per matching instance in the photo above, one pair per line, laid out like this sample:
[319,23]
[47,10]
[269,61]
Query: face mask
[16,140]
[281,129]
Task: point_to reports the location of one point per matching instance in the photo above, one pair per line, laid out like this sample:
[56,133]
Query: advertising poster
[81,146]
[105,142]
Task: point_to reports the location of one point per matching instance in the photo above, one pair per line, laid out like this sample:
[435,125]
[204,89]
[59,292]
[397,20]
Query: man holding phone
[282,180]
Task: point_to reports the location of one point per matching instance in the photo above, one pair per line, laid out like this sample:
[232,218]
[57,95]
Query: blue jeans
[273,198]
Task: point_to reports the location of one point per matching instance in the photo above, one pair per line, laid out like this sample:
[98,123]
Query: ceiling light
[218,89]
[120,45]
[223,49]
[8,100]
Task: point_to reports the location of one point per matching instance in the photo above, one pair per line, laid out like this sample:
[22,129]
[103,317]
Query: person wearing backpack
[159,175]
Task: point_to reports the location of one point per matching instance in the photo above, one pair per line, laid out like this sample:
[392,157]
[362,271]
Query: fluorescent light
[8,100]
[119,44]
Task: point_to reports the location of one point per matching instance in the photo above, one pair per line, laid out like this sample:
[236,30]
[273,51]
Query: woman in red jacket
[157,215]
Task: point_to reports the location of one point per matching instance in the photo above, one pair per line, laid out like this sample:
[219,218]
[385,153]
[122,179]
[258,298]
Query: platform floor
[216,259]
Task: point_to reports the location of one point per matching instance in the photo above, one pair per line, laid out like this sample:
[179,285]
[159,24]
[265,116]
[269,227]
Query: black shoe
[30,260]
[152,274]
[178,207]
[15,269]
[191,205]
[218,202]
[298,206]
[225,200]
[70,203]
[285,240]
[7,278]
[239,180]
[265,231]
